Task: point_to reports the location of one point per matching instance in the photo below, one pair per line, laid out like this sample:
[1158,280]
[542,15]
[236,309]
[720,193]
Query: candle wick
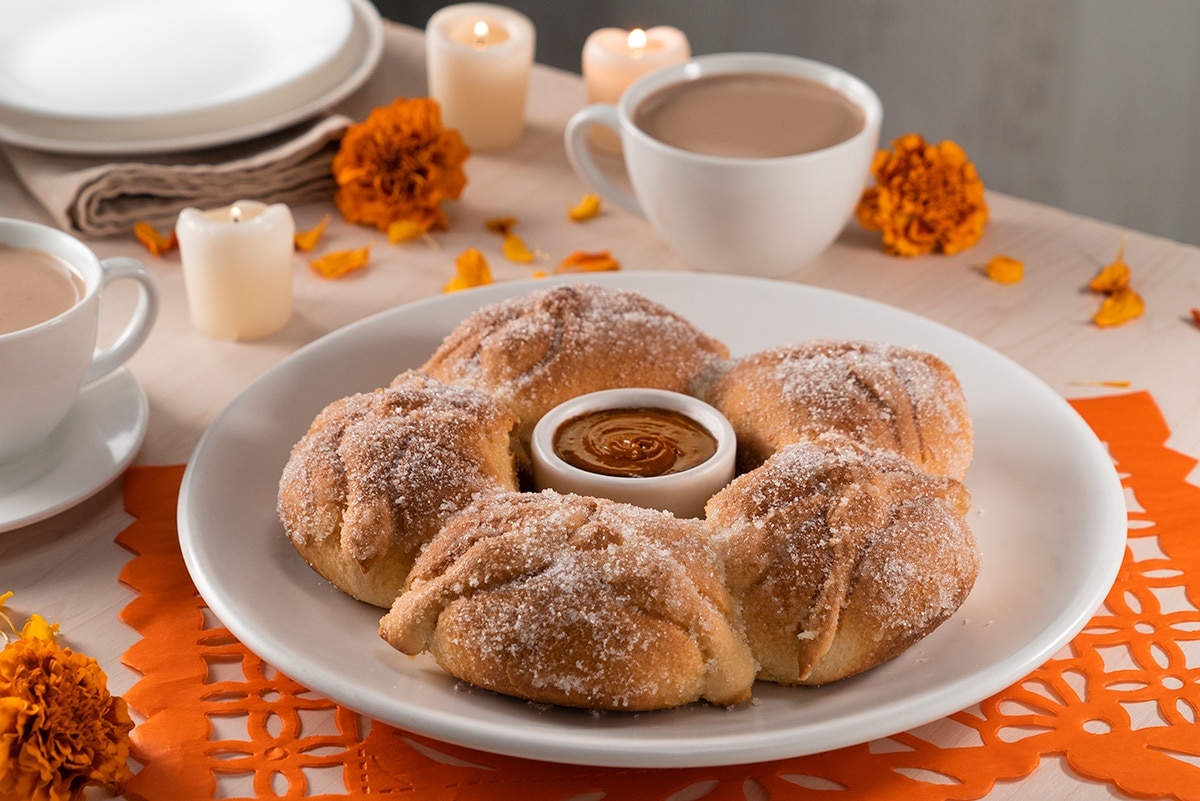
[481,33]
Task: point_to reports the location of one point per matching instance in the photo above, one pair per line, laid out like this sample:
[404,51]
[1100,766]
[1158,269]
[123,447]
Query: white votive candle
[614,58]
[237,268]
[478,58]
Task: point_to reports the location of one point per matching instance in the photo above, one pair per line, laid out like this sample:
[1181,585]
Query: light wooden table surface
[66,567]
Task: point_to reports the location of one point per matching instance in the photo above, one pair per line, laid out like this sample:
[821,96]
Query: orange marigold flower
[584,262]
[400,164]
[927,198]
[60,729]
[338,263]
[1196,317]
[1005,269]
[154,240]
[471,270]
[308,240]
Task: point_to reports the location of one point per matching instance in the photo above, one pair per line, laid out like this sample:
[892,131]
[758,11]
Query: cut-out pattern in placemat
[1121,704]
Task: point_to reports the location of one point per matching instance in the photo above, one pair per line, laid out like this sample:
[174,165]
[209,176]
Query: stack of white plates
[132,76]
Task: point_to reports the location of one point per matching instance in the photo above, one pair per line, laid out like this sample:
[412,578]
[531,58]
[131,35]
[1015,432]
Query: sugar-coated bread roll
[841,558]
[379,473]
[882,396]
[535,351]
[575,601]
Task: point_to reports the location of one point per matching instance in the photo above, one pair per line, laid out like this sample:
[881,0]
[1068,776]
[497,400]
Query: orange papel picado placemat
[220,723]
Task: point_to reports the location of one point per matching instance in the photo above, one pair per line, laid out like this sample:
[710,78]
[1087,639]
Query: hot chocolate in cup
[747,163]
[50,290]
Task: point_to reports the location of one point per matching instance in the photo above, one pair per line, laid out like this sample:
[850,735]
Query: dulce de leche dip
[634,442]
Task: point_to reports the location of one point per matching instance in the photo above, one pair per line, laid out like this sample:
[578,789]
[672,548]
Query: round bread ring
[378,474]
[882,396]
[576,601]
[536,351]
[513,361]
[841,557]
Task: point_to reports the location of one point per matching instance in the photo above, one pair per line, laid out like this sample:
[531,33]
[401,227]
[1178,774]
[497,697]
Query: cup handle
[580,155]
[105,360]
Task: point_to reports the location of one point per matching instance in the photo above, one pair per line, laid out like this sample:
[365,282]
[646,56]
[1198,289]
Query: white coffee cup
[765,216]
[44,366]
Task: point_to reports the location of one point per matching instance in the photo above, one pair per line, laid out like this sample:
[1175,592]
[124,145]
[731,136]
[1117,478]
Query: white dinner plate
[187,125]
[139,60]
[94,444]
[1048,511]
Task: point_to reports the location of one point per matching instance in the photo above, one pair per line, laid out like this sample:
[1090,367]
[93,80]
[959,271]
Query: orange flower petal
[501,225]
[308,240]
[1005,269]
[153,240]
[471,270]
[405,231]
[584,262]
[516,250]
[1196,317]
[585,209]
[341,262]
[1114,276]
[1121,306]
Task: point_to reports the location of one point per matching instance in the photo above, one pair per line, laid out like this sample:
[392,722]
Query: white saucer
[97,441]
[195,129]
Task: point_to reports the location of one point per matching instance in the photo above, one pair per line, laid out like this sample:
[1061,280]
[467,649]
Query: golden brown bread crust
[882,396]
[378,474]
[841,558]
[536,351]
[575,601]
[825,558]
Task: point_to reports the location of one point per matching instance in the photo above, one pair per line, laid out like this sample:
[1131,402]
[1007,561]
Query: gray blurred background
[1089,105]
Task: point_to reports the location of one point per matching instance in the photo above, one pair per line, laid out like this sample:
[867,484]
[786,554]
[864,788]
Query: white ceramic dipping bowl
[683,494]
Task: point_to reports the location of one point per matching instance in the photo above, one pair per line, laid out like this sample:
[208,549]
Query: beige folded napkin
[102,196]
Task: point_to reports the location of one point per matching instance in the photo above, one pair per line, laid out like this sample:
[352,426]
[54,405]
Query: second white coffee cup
[735,213]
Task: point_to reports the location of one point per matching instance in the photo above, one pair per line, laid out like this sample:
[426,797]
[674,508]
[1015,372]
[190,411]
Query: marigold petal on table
[1005,269]
[154,240]
[471,270]
[1114,276]
[516,250]
[405,231]
[338,263]
[500,225]
[587,208]
[1119,306]
[582,261]
[308,239]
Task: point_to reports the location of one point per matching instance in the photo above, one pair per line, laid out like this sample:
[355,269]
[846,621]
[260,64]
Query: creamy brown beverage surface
[34,287]
[749,115]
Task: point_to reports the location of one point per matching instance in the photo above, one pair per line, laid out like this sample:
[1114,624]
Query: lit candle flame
[235,213]
[481,32]
[637,41]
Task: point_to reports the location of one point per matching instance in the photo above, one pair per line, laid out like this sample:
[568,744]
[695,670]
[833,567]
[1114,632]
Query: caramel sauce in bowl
[649,447]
